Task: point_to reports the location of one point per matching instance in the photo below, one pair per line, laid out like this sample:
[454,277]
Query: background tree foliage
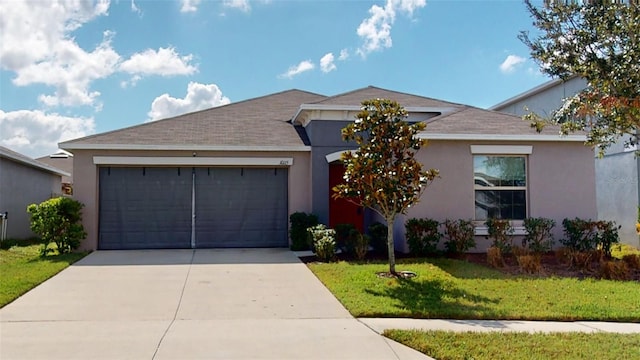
[599,41]
[383,174]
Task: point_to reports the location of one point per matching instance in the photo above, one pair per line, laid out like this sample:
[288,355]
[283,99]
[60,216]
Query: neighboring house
[230,176]
[62,160]
[24,181]
[617,172]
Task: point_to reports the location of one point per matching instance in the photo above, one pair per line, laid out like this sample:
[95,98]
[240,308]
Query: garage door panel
[145,208]
[241,207]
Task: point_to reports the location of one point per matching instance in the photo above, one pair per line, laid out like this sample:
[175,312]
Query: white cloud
[344,55]
[510,63]
[164,62]
[376,29]
[30,32]
[303,66]
[199,96]
[242,5]
[36,133]
[326,63]
[189,6]
[38,45]
[131,82]
[70,70]
[35,44]
[135,8]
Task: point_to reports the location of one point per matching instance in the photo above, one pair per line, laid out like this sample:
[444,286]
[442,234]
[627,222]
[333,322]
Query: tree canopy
[383,174]
[599,41]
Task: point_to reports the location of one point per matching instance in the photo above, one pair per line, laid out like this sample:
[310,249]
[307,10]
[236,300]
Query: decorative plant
[460,236]
[422,236]
[324,243]
[539,236]
[58,220]
[357,244]
[588,235]
[300,222]
[378,236]
[343,232]
[501,234]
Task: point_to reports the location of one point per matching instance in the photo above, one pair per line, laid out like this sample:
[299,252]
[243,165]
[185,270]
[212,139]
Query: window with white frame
[500,186]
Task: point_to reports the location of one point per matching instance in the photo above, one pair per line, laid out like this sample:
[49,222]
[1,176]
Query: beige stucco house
[230,176]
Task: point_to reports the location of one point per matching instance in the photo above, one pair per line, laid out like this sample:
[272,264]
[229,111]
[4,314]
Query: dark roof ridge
[387,90]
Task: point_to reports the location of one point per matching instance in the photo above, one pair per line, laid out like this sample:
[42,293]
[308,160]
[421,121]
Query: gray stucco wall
[543,103]
[618,197]
[20,186]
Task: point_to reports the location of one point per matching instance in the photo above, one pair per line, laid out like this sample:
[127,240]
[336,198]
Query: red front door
[342,211]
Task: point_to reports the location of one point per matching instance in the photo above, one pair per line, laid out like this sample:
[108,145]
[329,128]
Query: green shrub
[579,235]
[606,236]
[460,236]
[501,234]
[422,236]
[357,244]
[343,232]
[58,220]
[588,235]
[300,222]
[324,243]
[539,238]
[378,234]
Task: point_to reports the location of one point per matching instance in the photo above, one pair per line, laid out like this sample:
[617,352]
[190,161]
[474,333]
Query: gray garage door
[152,208]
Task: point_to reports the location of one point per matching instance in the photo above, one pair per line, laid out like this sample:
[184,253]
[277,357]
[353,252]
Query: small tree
[383,174]
[58,220]
[600,42]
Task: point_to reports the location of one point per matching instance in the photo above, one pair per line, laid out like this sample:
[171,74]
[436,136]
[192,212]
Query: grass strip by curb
[447,345]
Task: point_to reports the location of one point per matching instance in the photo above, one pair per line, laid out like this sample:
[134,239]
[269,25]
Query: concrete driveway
[185,304]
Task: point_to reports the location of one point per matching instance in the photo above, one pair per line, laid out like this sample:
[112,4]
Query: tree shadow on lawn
[436,299]
[68,258]
[459,269]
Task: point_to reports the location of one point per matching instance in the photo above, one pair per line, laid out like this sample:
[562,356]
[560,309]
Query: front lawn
[22,268]
[453,289]
[446,345]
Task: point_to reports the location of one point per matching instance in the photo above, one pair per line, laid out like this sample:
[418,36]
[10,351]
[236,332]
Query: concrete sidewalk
[186,304]
[381,324]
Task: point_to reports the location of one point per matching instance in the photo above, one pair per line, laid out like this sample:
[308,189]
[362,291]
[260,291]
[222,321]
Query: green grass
[444,345]
[22,268]
[452,289]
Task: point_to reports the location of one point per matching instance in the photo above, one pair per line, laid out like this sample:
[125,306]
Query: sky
[69,69]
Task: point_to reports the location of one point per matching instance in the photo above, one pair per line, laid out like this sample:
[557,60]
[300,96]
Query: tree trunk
[390,245]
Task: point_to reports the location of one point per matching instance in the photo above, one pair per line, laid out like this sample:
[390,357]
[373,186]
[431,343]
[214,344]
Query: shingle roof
[260,122]
[263,123]
[25,160]
[472,120]
[356,97]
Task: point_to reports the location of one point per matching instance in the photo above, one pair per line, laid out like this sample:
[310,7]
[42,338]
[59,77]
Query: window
[500,184]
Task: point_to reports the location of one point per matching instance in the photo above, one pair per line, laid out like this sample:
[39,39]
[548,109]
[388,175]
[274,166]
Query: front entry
[342,211]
